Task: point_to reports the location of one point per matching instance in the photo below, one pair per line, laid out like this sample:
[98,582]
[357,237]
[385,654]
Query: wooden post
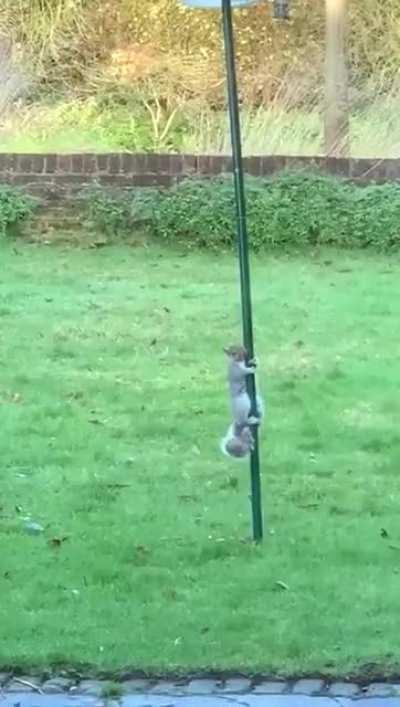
[337,139]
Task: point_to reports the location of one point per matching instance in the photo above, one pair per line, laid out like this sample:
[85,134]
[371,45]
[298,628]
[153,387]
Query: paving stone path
[25,691]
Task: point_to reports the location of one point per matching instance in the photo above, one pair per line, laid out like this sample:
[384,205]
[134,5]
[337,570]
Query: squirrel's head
[236,353]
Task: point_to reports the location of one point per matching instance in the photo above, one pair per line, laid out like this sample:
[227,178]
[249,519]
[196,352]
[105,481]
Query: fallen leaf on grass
[57,542]
[384,533]
[142,550]
[75,395]
[171,595]
[187,498]
[282,585]
[118,486]
[232,482]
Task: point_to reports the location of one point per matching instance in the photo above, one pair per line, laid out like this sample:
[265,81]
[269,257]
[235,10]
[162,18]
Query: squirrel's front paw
[253,420]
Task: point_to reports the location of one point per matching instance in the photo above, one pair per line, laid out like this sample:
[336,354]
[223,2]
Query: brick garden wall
[61,176]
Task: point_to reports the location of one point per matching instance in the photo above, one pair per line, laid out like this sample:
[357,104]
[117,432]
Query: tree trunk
[336,80]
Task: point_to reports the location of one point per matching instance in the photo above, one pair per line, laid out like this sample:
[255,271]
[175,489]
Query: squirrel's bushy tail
[237,447]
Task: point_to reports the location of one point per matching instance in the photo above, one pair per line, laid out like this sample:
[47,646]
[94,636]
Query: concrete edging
[202,686]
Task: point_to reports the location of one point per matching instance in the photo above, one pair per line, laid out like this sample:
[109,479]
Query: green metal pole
[243,249]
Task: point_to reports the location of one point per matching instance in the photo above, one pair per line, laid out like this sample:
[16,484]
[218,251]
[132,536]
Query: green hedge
[291,209]
[15,207]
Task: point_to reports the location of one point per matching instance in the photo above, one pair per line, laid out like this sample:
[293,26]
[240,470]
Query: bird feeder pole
[243,251]
[280,11]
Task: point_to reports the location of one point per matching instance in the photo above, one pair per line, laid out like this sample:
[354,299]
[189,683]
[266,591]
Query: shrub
[300,208]
[117,212]
[376,216]
[198,213]
[14,208]
[291,209]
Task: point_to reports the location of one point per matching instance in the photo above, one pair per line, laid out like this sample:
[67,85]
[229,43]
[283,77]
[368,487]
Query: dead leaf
[187,497]
[282,585]
[75,395]
[118,486]
[57,542]
[232,482]
[171,594]
[384,533]
[142,549]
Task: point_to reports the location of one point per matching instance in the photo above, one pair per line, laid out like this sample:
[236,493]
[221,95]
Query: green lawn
[113,398]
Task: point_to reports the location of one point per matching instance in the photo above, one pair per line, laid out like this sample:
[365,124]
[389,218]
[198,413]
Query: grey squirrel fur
[238,441]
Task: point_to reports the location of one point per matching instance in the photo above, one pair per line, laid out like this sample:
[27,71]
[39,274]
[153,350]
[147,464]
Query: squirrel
[238,441]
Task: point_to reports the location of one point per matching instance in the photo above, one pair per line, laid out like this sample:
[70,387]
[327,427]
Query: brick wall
[61,176]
